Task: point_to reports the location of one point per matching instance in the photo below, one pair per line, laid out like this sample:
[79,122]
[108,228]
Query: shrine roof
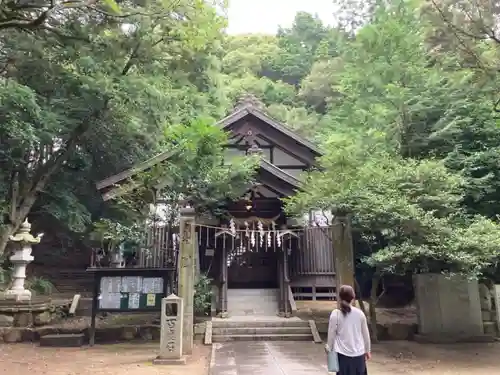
[250,108]
[109,186]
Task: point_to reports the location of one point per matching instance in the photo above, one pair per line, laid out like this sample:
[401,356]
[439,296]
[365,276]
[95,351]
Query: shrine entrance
[252,268]
[252,257]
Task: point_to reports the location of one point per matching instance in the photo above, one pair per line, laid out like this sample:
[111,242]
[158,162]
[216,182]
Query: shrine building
[260,260]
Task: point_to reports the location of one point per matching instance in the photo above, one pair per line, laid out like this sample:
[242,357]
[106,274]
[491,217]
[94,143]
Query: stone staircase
[67,281]
[278,329]
[252,302]
[253,317]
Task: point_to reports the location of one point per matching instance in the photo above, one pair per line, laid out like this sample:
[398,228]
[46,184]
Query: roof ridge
[249,108]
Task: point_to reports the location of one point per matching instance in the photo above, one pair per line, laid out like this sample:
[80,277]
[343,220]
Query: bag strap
[338,318]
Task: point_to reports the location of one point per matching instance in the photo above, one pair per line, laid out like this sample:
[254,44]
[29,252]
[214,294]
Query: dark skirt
[352,365]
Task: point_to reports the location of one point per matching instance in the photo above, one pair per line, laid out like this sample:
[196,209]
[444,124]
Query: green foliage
[401,100]
[299,46]
[410,150]
[202,296]
[39,286]
[196,172]
[412,205]
[85,101]
[112,234]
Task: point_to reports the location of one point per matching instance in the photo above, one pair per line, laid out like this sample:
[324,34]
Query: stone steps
[73,340]
[68,280]
[268,337]
[260,331]
[251,302]
[277,329]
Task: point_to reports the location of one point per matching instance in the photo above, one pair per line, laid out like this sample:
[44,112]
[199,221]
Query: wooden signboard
[130,293]
[120,290]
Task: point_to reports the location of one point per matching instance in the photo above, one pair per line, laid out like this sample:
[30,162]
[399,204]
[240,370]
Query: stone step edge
[315,332]
[261,327]
[208,333]
[63,340]
[257,324]
[261,330]
[268,337]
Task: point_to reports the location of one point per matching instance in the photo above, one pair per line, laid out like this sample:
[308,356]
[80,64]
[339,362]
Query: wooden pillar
[186,274]
[286,284]
[281,281]
[223,289]
[343,251]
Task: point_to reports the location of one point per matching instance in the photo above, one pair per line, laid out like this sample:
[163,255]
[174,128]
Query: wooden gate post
[186,272]
[343,251]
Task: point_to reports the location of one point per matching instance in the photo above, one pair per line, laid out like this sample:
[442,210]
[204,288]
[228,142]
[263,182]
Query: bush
[39,286]
[202,296]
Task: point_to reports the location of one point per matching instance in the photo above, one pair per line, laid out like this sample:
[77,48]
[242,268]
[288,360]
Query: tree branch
[19,23]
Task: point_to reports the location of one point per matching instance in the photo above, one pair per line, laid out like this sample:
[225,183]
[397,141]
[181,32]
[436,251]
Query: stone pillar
[496,300]
[21,243]
[186,272]
[343,250]
[171,332]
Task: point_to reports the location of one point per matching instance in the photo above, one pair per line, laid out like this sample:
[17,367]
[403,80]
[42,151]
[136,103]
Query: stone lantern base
[16,295]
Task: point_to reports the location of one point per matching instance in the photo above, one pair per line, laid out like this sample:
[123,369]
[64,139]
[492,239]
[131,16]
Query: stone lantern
[21,243]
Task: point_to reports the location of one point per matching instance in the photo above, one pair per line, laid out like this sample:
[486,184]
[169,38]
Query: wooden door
[252,269]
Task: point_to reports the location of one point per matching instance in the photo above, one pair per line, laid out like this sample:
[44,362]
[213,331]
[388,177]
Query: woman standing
[348,335]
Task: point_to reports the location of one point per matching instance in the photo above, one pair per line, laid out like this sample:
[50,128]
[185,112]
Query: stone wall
[111,334]
[30,314]
[448,307]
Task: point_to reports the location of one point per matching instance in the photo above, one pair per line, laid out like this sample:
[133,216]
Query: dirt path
[120,359]
[392,358]
[409,358]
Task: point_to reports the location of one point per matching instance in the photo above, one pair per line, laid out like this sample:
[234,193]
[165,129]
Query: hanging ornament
[278,239]
[269,243]
[252,238]
[174,242]
[232,227]
[273,226]
[247,232]
[260,227]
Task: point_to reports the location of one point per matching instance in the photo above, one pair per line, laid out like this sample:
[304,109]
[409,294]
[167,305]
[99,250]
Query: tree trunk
[6,231]
[373,306]
[360,298]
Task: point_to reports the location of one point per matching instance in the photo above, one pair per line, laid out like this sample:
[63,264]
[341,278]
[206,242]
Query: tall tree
[83,103]
[299,45]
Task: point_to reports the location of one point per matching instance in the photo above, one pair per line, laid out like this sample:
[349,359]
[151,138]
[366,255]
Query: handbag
[332,358]
[332,361]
